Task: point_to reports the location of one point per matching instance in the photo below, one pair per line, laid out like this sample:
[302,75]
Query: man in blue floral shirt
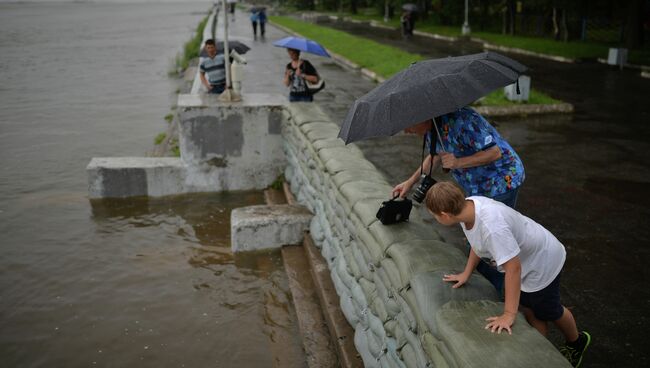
[480,161]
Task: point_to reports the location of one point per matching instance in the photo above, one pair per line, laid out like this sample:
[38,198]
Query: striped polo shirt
[215,68]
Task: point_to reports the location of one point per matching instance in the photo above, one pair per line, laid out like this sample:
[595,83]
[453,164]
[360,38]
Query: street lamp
[466,30]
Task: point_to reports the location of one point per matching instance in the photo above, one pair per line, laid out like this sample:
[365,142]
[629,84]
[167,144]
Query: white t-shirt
[501,233]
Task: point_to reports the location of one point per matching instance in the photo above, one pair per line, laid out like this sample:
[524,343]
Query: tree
[633,32]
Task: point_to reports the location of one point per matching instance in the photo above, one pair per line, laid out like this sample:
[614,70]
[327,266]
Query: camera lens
[421,191]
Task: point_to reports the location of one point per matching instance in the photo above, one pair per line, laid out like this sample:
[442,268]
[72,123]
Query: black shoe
[574,354]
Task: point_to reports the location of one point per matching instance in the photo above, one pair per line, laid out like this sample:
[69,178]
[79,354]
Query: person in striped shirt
[214,67]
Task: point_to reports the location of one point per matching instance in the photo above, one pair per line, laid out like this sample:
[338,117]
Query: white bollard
[524,90]
[617,56]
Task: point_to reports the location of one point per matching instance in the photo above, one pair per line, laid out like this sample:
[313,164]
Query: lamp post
[228,95]
[466,30]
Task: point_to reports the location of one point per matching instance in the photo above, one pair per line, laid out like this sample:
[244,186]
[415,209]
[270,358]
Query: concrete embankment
[389,278]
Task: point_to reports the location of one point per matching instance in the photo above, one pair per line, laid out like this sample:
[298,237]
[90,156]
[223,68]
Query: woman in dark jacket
[296,76]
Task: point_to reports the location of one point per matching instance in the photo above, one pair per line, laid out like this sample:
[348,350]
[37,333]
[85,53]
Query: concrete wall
[224,146]
[118,177]
[231,146]
[389,278]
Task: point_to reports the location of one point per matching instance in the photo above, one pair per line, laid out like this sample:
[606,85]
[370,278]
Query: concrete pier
[264,227]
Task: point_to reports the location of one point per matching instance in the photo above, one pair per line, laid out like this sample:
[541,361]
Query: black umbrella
[410,7]
[232,45]
[425,90]
[257,8]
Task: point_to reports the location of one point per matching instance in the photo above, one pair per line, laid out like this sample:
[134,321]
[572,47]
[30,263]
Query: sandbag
[461,325]
[420,357]
[408,357]
[392,273]
[417,256]
[338,165]
[318,125]
[402,232]
[327,143]
[438,354]
[361,343]
[306,113]
[431,293]
[349,310]
[355,191]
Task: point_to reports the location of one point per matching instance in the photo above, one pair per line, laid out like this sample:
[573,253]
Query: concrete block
[120,177]
[617,56]
[265,227]
[524,89]
[231,146]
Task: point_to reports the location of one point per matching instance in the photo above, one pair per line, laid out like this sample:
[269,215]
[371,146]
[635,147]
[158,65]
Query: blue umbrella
[302,44]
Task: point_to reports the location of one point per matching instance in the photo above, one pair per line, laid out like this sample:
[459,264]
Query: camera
[420,192]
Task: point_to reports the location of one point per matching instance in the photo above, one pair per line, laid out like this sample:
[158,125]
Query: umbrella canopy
[302,44]
[410,7]
[232,45]
[257,8]
[425,90]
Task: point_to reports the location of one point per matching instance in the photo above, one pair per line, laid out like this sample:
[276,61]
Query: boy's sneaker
[574,353]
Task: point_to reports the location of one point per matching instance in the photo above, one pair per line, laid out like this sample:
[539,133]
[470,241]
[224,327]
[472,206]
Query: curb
[522,110]
[642,68]
[645,74]
[514,50]
[436,36]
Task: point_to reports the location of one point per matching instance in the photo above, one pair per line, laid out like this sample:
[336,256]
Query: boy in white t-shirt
[529,255]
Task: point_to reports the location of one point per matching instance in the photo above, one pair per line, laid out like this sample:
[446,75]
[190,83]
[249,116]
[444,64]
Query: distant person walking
[298,72]
[215,68]
[408,23]
[261,17]
[255,17]
[232,4]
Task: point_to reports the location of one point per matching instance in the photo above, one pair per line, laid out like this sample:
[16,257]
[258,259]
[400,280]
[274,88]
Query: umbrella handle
[442,147]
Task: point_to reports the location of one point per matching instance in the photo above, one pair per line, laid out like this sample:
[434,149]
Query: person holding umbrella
[300,75]
[296,75]
[480,160]
[430,98]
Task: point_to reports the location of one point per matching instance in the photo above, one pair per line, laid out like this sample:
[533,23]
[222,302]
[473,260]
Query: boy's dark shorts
[545,303]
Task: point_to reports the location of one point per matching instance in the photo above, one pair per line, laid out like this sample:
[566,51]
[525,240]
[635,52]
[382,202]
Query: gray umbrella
[425,90]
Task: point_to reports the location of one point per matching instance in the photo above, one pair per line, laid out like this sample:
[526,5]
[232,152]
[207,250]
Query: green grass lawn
[498,98]
[191,47]
[383,60]
[571,50]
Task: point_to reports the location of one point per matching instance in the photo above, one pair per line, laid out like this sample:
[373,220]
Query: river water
[142,282]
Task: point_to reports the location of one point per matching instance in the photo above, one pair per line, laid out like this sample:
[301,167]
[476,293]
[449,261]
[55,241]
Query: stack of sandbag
[389,278]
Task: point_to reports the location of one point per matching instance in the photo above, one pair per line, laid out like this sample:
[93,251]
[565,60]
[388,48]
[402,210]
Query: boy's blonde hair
[445,197]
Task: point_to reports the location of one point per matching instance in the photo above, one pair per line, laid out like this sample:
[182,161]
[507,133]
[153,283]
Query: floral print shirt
[465,132]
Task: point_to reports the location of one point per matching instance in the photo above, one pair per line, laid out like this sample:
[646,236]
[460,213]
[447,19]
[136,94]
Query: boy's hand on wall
[501,323]
[460,279]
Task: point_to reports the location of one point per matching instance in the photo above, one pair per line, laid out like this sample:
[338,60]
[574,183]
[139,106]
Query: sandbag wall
[389,278]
